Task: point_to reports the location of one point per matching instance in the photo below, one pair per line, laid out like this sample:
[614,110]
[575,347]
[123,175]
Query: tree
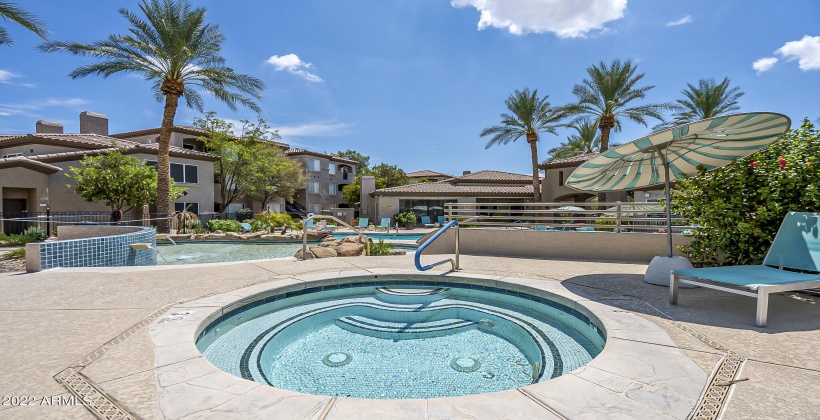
[250,164]
[606,96]
[179,53]
[363,161]
[739,207]
[11,13]
[119,180]
[529,116]
[386,176]
[706,100]
[587,140]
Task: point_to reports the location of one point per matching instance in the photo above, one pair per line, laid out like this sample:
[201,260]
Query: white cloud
[564,18]
[291,63]
[6,76]
[806,51]
[682,21]
[31,108]
[315,129]
[764,64]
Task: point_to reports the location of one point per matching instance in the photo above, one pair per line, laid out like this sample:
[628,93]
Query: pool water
[391,340]
[382,235]
[224,251]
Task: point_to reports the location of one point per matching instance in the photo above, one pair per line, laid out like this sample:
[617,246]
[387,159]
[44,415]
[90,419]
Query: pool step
[410,296]
[402,330]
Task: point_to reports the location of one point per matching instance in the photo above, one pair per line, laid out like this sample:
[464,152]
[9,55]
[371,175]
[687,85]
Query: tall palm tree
[587,140]
[10,12]
[706,100]
[529,115]
[174,49]
[607,94]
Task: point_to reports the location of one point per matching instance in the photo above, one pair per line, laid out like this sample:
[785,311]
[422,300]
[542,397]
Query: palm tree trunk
[605,125]
[164,202]
[536,180]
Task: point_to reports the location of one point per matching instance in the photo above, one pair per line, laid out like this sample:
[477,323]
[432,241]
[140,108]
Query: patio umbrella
[570,208]
[678,151]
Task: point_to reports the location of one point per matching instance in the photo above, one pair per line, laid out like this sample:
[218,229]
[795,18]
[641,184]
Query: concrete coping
[641,372]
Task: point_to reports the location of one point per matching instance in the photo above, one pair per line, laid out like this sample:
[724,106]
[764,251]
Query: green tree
[386,176]
[364,161]
[606,96]
[708,99]
[586,140]
[529,115]
[11,13]
[178,53]
[739,207]
[251,163]
[122,182]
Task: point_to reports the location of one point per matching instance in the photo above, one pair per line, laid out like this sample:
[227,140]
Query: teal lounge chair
[442,220]
[246,227]
[425,221]
[362,223]
[585,229]
[385,224]
[309,225]
[796,247]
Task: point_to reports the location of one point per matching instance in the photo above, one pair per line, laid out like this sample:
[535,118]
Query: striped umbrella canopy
[678,151]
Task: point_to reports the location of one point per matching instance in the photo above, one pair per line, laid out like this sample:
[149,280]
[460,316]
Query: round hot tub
[395,339]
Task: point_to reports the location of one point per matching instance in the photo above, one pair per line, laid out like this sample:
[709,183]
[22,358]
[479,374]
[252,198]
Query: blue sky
[413,82]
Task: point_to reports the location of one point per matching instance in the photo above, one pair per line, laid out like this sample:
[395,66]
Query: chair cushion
[751,276]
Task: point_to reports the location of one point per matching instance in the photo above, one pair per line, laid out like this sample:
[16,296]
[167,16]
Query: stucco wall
[69,232]
[588,246]
[25,178]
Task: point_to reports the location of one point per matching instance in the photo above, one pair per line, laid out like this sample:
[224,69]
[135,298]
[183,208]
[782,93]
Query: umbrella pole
[668,206]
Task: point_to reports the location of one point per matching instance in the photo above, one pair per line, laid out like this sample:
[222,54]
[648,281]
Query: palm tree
[587,140]
[12,13]
[606,96]
[529,115]
[178,52]
[706,100]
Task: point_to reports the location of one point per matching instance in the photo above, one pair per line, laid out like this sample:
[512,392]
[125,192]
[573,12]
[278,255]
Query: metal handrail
[362,238]
[453,262]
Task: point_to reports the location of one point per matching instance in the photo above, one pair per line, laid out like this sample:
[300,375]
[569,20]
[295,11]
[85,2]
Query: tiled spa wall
[98,251]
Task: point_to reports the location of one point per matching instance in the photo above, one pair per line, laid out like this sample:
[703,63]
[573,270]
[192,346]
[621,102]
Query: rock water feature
[329,247]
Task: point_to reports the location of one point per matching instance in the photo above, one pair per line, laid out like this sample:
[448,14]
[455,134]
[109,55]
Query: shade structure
[570,208]
[665,156]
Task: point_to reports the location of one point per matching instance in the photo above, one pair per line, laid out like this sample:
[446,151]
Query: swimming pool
[227,251]
[382,235]
[398,340]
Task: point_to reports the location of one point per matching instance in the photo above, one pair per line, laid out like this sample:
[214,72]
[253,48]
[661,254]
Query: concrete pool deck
[97,322]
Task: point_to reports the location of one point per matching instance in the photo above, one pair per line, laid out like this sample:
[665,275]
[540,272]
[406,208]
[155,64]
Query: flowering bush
[740,207]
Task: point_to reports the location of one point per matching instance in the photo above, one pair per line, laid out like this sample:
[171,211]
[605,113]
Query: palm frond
[12,13]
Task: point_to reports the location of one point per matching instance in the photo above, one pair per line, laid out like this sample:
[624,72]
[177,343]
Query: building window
[313,187]
[181,173]
[191,207]
[331,189]
[12,155]
[313,165]
[560,178]
[331,168]
[315,208]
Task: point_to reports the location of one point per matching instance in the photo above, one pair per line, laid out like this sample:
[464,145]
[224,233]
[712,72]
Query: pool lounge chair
[385,224]
[245,227]
[795,247]
[362,223]
[441,220]
[425,221]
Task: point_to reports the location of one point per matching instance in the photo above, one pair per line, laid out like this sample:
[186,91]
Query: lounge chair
[362,223]
[425,221]
[796,247]
[585,229]
[442,220]
[309,225]
[540,227]
[385,224]
[246,227]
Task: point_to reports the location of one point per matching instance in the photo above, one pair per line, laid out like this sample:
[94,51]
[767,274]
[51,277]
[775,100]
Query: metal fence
[621,217]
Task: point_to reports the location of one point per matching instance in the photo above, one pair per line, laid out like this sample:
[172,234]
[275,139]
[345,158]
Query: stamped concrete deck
[60,318]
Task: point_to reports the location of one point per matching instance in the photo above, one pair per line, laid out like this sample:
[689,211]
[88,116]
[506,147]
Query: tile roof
[448,188]
[25,162]
[294,151]
[184,129]
[427,173]
[494,176]
[567,162]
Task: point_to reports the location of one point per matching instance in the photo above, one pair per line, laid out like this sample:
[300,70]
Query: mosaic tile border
[105,251]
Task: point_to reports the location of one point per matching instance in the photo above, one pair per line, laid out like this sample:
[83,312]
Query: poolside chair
[362,223]
[309,225]
[442,220]
[540,227]
[385,224]
[246,227]
[585,229]
[425,221]
[796,247]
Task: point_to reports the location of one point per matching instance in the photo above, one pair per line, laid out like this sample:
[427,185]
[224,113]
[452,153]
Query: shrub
[381,248]
[243,214]
[32,234]
[35,234]
[265,220]
[16,253]
[225,225]
[605,219]
[405,217]
[739,207]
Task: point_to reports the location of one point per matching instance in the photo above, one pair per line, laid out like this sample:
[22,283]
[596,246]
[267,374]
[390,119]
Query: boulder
[329,239]
[332,244]
[310,255]
[233,235]
[323,252]
[216,236]
[398,252]
[256,235]
[351,239]
[350,249]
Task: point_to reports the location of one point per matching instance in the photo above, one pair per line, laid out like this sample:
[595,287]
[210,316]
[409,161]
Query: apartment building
[326,175]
